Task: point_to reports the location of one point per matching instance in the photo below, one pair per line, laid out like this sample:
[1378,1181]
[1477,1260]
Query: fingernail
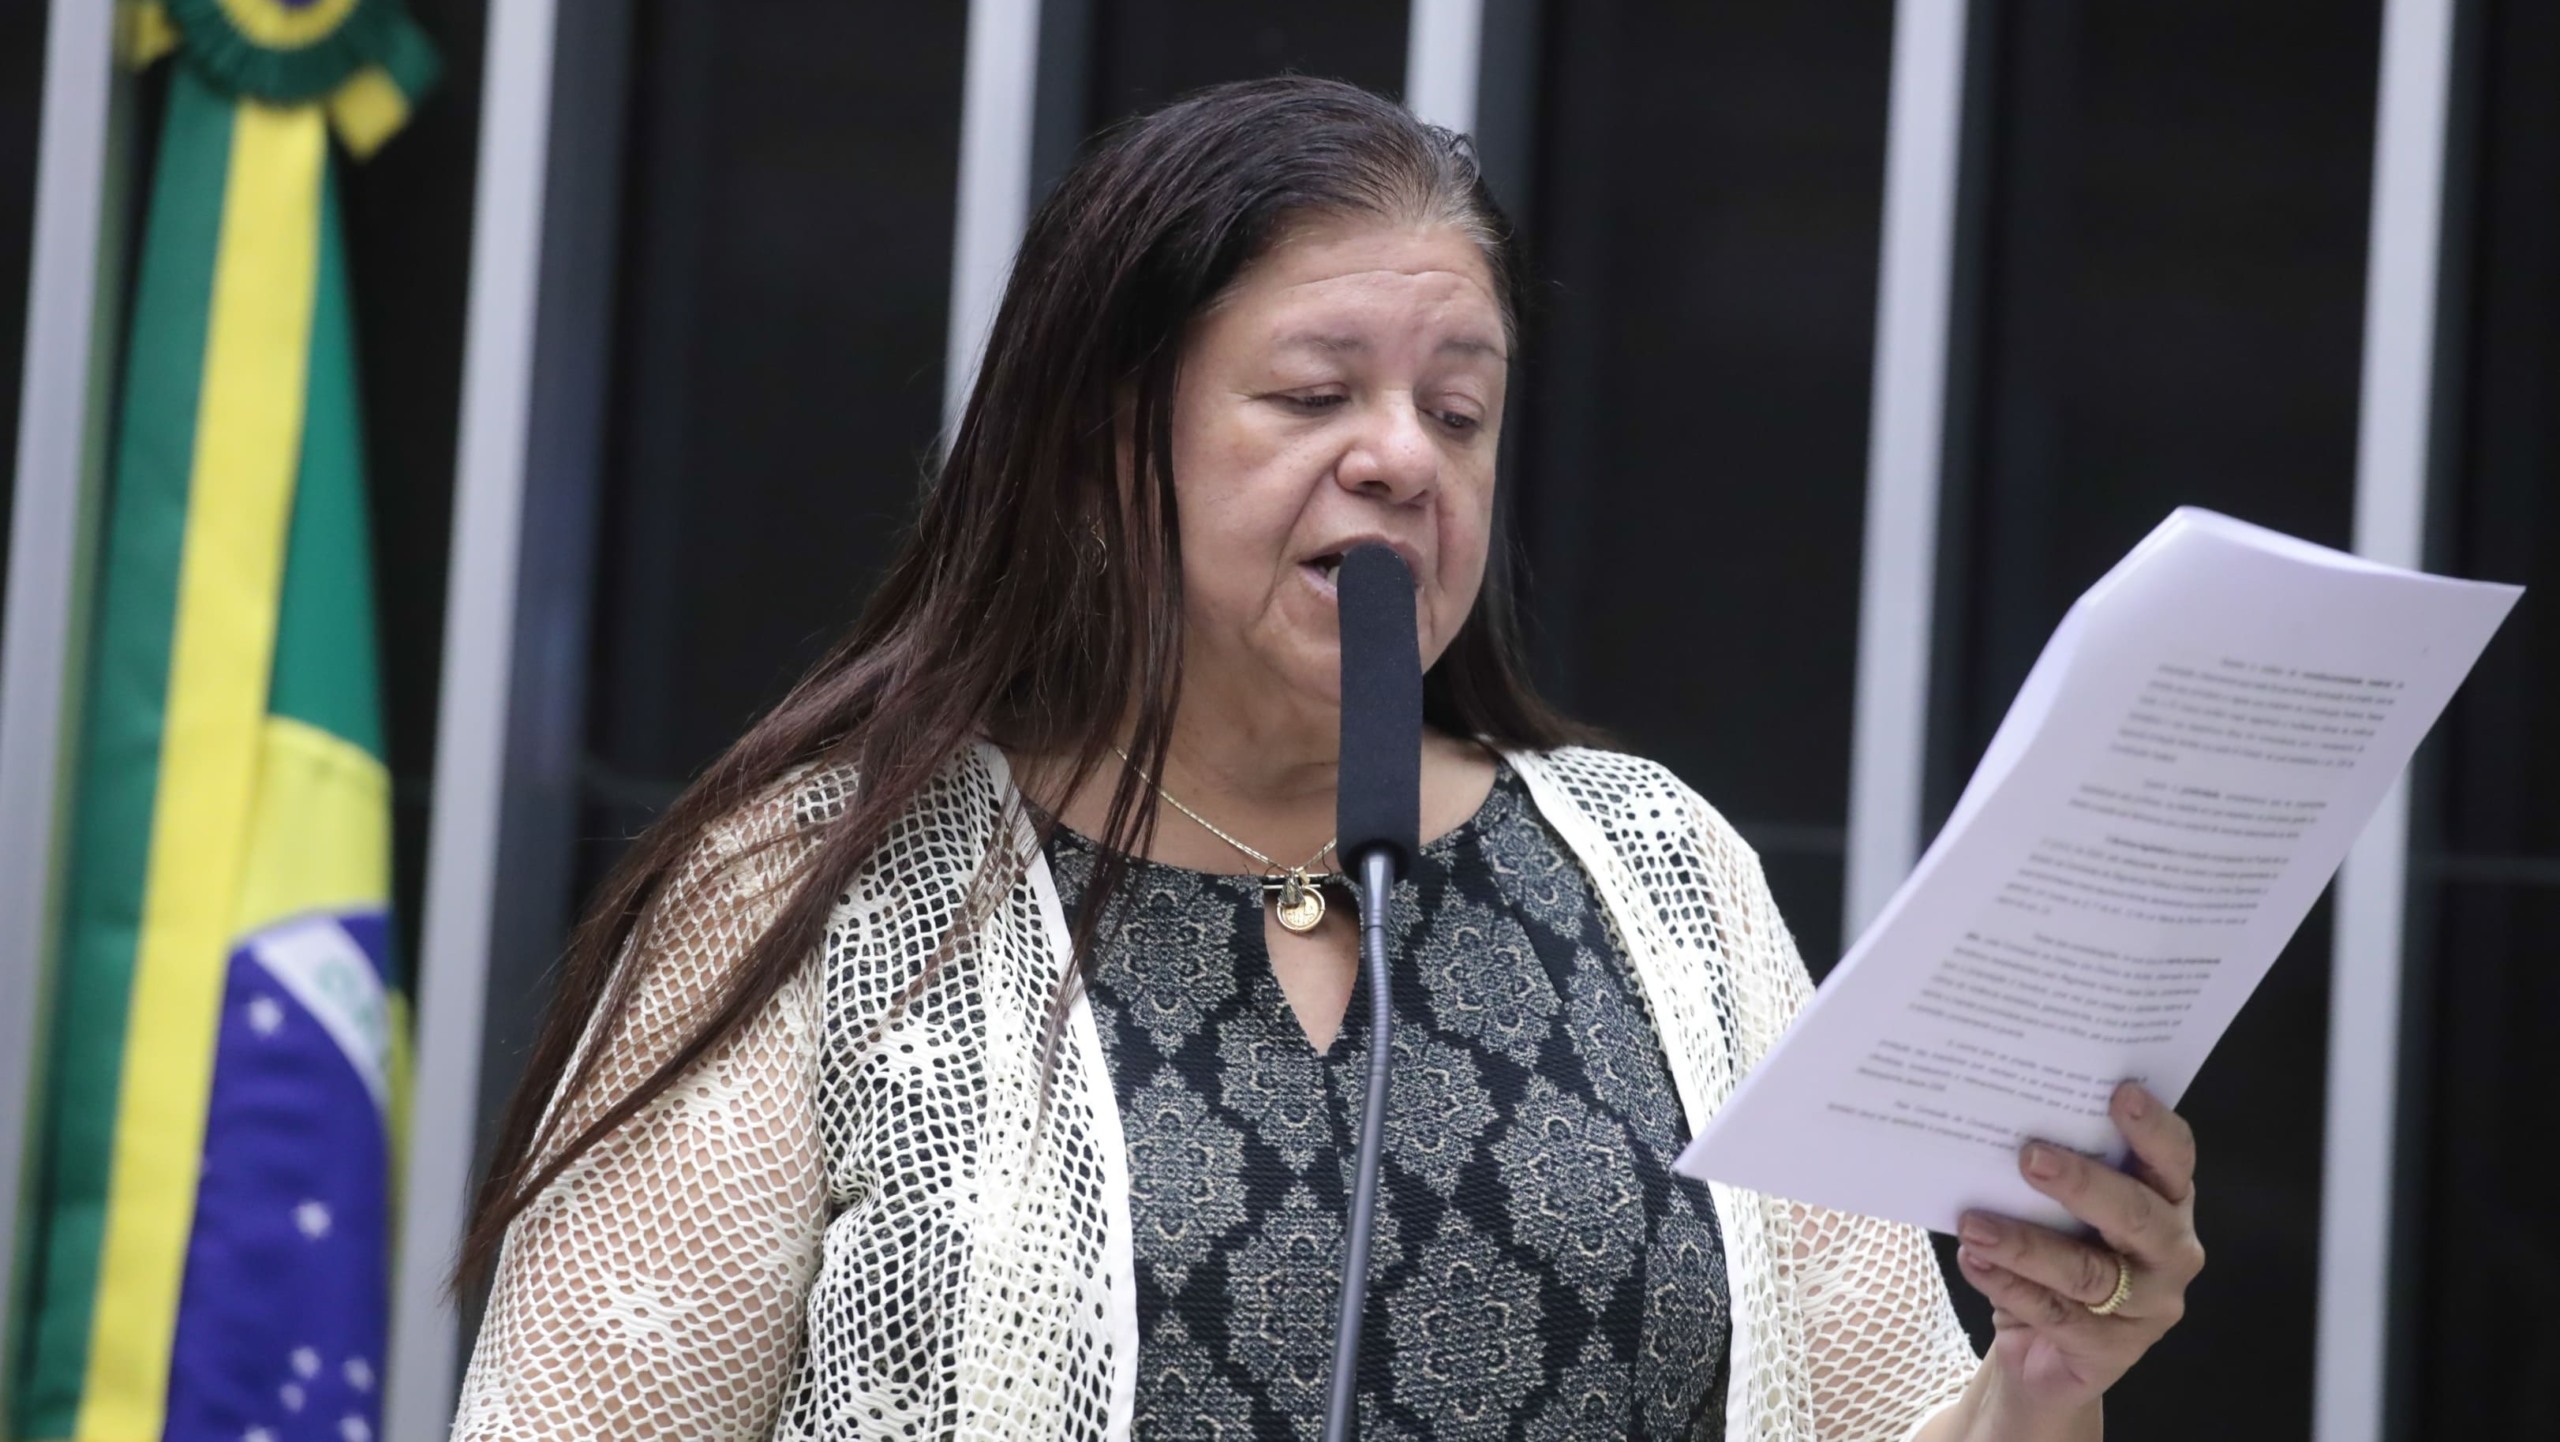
[2137,1102]
[1969,1257]
[2043,1161]
[1979,1230]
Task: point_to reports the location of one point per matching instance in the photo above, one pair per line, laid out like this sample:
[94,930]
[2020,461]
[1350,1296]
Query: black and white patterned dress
[1539,1273]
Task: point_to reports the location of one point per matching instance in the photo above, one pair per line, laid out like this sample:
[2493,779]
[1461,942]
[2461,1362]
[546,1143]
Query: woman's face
[1347,388]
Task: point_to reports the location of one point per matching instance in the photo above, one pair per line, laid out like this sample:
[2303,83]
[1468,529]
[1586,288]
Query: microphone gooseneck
[1378,814]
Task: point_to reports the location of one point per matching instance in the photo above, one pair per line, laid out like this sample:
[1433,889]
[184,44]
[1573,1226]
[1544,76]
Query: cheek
[1206,470]
[1241,489]
[1235,524]
[1219,584]
[1465,546]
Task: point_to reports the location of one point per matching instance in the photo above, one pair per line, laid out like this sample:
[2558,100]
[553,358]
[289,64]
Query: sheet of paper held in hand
[2185,767]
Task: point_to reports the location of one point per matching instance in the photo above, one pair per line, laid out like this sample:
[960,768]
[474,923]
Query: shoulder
[1631,801]
[1680,879]
[756,852]
[781,825]
[727,883]
[758,845]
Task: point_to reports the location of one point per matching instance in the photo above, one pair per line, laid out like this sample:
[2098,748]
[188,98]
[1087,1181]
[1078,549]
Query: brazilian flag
[209,1251]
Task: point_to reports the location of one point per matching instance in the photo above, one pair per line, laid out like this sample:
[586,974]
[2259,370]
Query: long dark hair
[1038,601]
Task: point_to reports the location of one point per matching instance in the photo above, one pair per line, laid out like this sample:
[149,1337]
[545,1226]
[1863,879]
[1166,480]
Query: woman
[919,1075]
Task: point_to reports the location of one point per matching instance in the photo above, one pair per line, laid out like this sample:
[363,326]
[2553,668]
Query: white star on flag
[306,1362]
[312,1220]
[265,1015]
[359,1374]
[291,1395]
[354,1429]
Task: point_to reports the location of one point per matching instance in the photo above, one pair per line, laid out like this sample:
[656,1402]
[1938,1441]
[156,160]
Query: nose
[1392,459]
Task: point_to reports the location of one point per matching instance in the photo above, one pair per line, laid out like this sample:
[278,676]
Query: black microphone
[1378,830]
[1378,791]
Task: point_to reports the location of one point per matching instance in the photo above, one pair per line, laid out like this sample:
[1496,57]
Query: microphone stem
[1377,885]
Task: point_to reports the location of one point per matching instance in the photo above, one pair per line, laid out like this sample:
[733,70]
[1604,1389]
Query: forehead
[1365,268]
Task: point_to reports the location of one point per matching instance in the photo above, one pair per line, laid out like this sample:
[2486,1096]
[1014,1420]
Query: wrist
[2004,1415]
[1992,1410]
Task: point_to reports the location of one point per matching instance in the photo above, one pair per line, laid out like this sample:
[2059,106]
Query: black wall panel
[1103,61]
[791,172]
[1146,52]
[1693,400]
[2480,1258]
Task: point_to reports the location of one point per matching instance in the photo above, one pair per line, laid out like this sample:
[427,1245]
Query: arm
[1881,1345]
[655,1289]
[1984,1411]
[1882,1341]
[1887,1356]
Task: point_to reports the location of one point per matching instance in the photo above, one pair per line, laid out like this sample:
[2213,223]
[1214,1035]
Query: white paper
[2185,767]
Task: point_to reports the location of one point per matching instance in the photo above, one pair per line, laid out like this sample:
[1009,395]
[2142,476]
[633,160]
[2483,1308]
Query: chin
[1313,678]
[1322,692]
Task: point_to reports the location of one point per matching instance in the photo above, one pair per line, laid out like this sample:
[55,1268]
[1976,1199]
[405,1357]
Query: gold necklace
[1299,890]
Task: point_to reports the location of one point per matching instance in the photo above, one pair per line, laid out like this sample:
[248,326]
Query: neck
[1265,785]
[1264,773]
[1264,756]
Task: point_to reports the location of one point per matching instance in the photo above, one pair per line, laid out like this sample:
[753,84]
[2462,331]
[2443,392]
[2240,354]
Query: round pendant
[1301,906]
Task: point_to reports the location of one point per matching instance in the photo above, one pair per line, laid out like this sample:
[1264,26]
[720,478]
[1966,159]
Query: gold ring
[2124,1289]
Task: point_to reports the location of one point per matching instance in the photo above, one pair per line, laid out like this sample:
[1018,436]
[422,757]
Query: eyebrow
[1336,343]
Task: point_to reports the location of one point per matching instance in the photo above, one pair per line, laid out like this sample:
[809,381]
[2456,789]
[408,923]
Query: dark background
[2159,301]
[2165,208]
[2478,1256]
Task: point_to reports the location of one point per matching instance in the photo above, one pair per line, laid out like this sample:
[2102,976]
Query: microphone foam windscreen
[1378,798]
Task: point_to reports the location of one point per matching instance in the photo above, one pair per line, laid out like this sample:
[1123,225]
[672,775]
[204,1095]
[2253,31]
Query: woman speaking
[976,1050]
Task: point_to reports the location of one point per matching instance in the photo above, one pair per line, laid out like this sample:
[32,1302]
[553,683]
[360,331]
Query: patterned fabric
[1539,1272]
[873,1214]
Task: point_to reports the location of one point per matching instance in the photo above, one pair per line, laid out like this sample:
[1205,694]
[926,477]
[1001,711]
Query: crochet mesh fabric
[655,1289]
[857,1219]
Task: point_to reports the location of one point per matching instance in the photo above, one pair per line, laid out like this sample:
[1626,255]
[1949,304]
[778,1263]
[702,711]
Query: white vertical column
[1444,54]
[471,717]
[2372,891]
[1906,420]
[47,550]
[995,182]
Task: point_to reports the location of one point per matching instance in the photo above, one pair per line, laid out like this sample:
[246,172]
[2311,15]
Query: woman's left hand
[2053,1354]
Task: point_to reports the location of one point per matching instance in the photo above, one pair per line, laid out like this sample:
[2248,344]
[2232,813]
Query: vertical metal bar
[543,796]
[49,543]
[996,124]
[1443,58]
[472,722]
[2402,262]
[1907,417]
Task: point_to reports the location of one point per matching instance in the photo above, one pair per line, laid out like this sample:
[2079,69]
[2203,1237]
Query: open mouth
[1322,572]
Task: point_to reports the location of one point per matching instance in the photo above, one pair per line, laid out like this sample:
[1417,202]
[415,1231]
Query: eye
[1311,404]
[1459,422]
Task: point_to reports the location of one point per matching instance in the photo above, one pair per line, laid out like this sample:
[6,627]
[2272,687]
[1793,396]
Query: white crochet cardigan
[853,1220]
